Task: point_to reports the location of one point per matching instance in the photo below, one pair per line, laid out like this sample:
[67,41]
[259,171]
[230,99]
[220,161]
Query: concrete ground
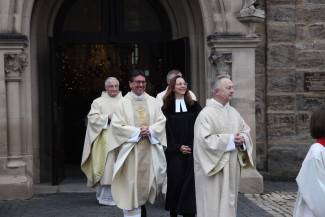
[72,198]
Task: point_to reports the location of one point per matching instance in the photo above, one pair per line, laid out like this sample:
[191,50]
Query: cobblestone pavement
[278,200]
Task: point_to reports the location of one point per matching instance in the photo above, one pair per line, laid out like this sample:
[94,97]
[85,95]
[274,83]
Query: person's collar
[218,103]
[180,103]
[136,96]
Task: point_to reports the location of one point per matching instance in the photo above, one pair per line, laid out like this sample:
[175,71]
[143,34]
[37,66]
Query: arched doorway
[94,40]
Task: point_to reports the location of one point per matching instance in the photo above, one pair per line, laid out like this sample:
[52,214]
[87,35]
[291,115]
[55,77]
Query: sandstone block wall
[293,43]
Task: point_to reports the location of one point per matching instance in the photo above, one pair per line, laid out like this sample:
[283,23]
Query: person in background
[96,162]
[180,111]
[311,178]
[137,133]
[171,74]
[222,146]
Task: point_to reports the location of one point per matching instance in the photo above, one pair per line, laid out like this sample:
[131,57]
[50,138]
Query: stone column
[14,64]
[15,181]
[235,55]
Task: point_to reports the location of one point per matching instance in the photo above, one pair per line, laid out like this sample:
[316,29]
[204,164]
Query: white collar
[136,96]
[218,103]
[180,103]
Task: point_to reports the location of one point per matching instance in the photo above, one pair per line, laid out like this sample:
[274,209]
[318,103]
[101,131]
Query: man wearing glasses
[137,133]
[96,162]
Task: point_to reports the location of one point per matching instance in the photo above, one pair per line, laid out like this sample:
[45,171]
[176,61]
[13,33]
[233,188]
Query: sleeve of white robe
[208,143]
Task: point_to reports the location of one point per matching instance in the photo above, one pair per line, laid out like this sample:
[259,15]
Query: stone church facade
[273,50]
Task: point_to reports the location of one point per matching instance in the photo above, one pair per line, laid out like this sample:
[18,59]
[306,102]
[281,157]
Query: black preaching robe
[180,197]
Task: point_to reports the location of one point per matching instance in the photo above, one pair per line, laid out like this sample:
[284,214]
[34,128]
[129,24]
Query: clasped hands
[185,149]
[238,139]
[144,131]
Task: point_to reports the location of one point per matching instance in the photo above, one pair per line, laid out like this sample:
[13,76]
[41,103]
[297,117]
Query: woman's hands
[185,149]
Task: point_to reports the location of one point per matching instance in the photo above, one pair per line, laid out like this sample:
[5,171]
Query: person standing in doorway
[222,145]
[181,111]
[171,74]
[137,133]
[96,162]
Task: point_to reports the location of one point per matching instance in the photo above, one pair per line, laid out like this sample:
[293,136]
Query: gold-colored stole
[142,151]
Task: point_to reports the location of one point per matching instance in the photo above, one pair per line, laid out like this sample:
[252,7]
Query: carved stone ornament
[251,15]
[15,62]
[222,59]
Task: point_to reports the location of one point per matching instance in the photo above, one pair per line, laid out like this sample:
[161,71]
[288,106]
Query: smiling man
[96,162]
[222,146]
[137,134]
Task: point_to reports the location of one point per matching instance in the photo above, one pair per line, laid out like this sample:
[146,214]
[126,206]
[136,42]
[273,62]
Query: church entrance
[96,39]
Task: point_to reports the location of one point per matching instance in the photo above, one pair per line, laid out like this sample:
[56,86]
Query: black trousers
[143,211]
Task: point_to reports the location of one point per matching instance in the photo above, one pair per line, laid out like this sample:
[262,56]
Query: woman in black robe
[181,112]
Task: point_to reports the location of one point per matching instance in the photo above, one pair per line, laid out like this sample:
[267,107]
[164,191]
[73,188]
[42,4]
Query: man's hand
[144,131]
[238,139]
[185,149]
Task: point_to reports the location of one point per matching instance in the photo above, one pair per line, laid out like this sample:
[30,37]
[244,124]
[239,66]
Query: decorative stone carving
[223,16]
[251,15]
[14,64]
[222,59]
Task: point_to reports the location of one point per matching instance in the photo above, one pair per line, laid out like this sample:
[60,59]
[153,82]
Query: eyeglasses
[112,86]
[140,82]
[180,84]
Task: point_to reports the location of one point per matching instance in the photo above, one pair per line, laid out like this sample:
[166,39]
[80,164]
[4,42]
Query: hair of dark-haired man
[136,73]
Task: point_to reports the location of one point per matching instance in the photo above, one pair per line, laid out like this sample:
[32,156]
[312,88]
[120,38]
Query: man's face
[224,94]
[138,85]
[112,88]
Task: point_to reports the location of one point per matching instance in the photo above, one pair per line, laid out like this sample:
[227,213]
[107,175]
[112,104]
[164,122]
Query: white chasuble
[140,167]
[96,162]
[217,173]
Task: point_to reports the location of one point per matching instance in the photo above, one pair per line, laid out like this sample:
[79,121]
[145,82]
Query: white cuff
[106,125]
[153,139]
[231,145]
[135,137]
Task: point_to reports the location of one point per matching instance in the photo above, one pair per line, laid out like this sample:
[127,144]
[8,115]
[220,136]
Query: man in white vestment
[137,133]
[311,178]
[171,74]
[96,162]
[222,145]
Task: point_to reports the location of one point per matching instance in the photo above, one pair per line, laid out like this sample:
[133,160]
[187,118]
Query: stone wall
[292,44]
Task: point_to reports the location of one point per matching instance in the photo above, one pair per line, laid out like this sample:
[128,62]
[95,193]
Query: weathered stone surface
[315,1]
[281,80]
[281,31]
[302,126]
[281,126]
[281,55]
[279,2]
[281,13]
[311,59]
[302,149]
[311,44]
[283,160]
[300,81]
[308,102]
[302,132]
[260,56]
[281,103]
[305,32]
[310,13]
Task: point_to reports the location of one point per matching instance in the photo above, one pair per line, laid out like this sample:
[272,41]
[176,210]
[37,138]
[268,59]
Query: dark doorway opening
[96,39]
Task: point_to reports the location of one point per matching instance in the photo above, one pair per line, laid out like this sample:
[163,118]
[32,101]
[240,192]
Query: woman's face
[180,88]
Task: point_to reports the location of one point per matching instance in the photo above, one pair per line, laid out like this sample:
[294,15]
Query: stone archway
[190,25]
